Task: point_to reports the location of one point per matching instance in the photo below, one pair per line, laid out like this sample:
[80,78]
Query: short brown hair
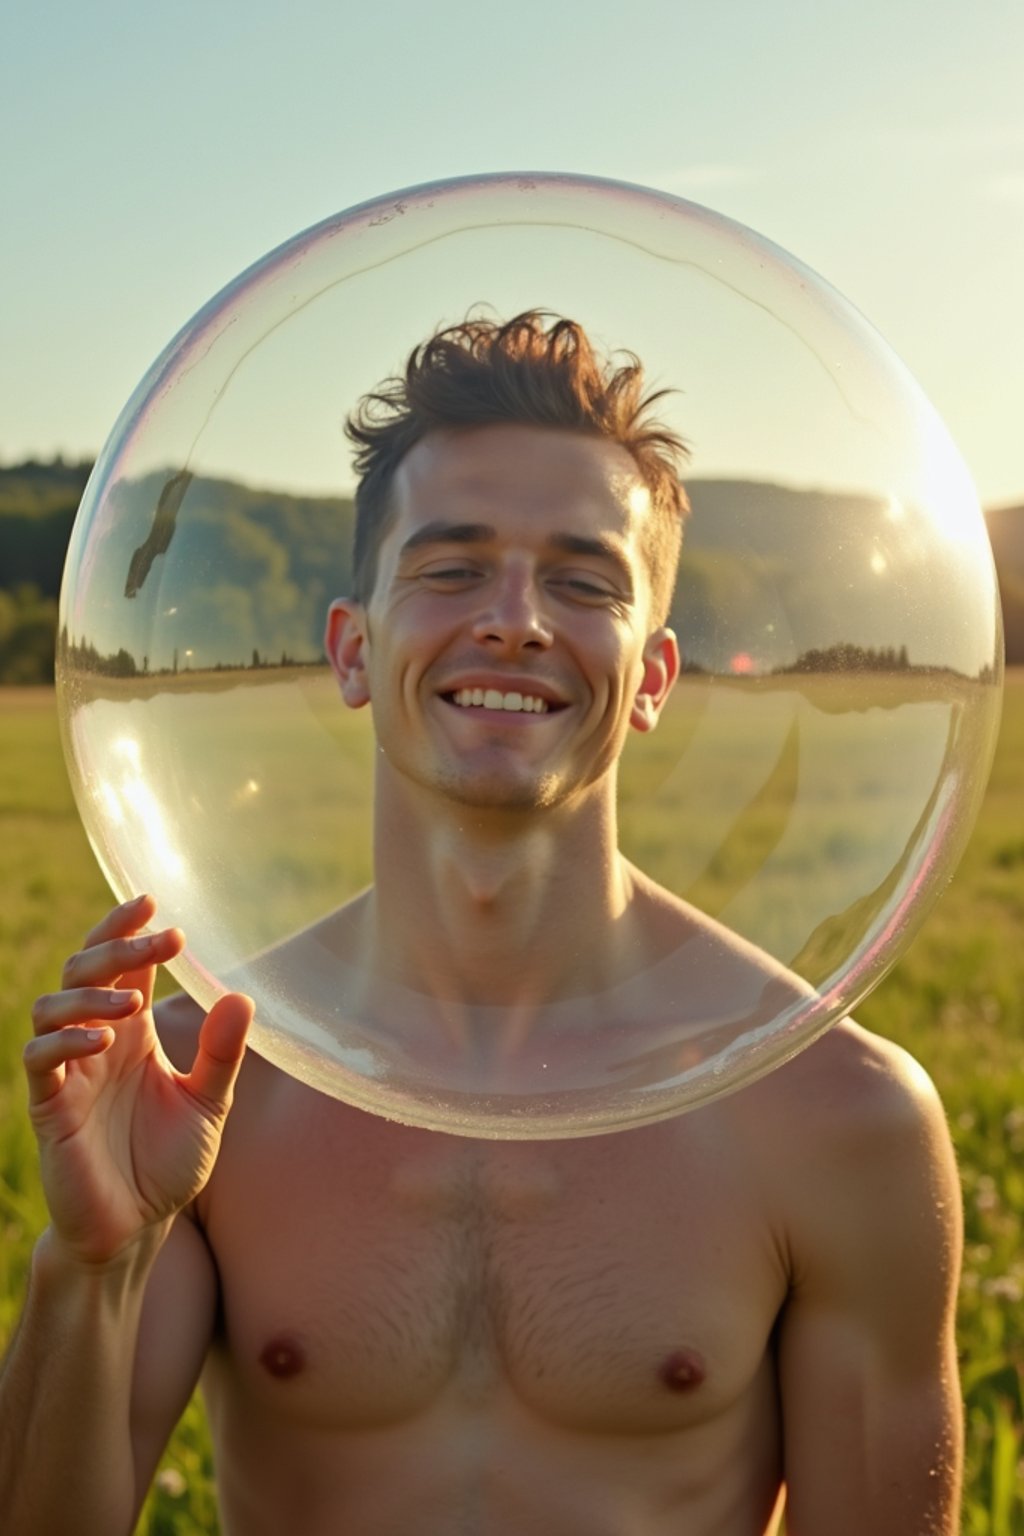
[533,370]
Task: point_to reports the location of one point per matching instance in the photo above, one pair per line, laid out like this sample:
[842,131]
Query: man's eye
[579,586]
[451,573]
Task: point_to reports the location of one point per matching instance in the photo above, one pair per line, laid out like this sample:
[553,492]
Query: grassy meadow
[956,1000]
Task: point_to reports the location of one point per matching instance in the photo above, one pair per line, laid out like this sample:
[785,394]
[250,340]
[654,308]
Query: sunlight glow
[639,500]
[112,805]
[128,747]
[136,794]
[946,492]
[246,793]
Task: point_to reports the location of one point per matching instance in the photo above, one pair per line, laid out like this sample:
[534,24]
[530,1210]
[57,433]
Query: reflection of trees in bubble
[232,610]
[218,569]
[774,573]
[275,565]
[83,658]
[250,573]
[844,656]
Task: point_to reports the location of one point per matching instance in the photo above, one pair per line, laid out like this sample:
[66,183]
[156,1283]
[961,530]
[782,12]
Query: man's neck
[498,908]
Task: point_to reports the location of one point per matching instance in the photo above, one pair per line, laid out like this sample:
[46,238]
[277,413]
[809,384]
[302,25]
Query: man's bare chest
[623,1284]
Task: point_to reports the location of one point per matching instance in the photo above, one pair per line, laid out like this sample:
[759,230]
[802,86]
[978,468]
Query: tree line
[276,554]
[288,555]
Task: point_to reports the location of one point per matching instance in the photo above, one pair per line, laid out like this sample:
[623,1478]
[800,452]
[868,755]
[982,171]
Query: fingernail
[123,997]
[95,1034]
[143,941]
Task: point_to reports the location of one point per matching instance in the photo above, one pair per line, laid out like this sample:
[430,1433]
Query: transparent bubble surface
[815,774]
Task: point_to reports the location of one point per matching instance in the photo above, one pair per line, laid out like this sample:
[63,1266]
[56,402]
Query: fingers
[129,917]
[221,1049]
[131,958]
[87,1005]
[114,951]
[138,968]
[46,1057]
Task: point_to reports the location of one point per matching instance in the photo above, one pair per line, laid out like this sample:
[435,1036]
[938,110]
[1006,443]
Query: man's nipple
[283,1357]
[683,1370]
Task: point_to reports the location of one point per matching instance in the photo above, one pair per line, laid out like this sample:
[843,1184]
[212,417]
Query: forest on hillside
[249,561]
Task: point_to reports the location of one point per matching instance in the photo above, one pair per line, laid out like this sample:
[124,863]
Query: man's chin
[500,791]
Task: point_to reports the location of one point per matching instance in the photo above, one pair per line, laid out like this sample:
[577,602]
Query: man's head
[534,370]
[518,529]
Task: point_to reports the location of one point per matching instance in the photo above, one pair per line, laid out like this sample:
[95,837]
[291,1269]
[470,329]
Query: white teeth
[492,698]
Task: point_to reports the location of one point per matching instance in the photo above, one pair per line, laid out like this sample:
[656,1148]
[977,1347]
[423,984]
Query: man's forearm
[66,1463]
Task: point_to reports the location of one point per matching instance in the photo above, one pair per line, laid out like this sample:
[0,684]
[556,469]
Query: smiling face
[507,647]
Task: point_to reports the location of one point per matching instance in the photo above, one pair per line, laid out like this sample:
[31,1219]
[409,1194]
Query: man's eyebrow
[589,544]
[448,533]
[595,545]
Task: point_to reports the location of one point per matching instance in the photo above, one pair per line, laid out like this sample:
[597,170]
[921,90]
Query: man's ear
[661,668]
[347,645]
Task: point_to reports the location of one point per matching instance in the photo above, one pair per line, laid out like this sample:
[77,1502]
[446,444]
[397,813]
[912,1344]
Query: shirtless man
[668,1331]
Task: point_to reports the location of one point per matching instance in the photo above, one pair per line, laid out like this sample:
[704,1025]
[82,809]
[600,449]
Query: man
[667,1330]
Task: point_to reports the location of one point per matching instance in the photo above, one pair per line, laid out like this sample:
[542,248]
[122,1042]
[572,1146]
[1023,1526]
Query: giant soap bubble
[815,773]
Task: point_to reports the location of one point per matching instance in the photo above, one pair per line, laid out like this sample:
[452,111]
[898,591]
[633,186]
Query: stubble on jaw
[485,793]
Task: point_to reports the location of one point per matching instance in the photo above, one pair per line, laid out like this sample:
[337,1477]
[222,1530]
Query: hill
[751,582]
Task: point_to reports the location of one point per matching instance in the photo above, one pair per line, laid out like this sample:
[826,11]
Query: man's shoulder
[855,1082]
[857,1148]
[849,1097]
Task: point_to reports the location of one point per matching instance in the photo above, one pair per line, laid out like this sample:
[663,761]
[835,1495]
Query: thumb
[221,1049]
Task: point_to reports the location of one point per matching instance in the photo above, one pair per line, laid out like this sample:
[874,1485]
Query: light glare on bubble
[140,797]
[108,794]
[246,793]
[127,746]
[946,491]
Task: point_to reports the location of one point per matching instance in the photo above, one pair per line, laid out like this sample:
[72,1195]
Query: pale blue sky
[147,154]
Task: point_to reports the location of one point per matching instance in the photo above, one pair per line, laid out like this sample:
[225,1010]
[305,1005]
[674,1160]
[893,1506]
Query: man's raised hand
[125,1140]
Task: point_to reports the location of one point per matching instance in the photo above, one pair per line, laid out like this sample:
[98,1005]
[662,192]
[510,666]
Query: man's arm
[101,1367]
[122,1295]
[867,1357]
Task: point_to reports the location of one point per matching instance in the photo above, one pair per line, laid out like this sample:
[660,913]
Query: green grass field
[956,1000]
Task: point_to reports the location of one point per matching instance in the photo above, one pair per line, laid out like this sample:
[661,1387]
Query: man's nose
[513,618]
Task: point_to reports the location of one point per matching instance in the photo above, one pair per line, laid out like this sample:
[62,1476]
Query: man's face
[507,647]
